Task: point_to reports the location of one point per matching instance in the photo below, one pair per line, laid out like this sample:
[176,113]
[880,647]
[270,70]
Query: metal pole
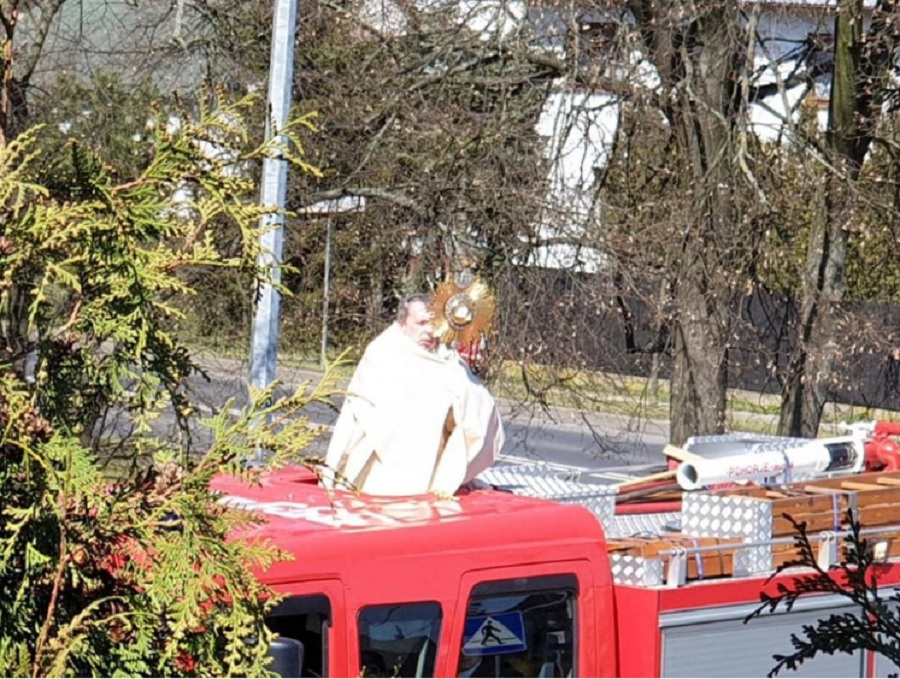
[326,287]
[266,321]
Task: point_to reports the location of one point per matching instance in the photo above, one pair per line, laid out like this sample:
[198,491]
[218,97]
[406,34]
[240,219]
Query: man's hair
[409,300]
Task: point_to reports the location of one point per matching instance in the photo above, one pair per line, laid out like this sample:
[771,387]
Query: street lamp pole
[266,321]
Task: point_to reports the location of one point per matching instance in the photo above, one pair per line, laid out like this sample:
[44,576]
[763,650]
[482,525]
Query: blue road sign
[494,634]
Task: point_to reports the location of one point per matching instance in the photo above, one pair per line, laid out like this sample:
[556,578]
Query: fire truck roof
[341,528]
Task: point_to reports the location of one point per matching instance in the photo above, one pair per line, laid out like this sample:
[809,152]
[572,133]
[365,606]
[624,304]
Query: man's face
[419,325]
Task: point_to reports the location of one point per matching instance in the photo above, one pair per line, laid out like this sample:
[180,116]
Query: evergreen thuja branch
[82,625]
[59,576]
[96,269]
[886,619]
[873,626]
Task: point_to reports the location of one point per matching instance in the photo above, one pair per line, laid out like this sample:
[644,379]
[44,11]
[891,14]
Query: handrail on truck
[676,572]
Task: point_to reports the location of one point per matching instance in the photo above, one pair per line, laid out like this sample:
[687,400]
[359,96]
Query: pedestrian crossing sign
[494,634]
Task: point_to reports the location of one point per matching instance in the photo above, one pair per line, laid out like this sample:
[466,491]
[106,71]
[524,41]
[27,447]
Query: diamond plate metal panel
[550,484]
[636,570]
[739,443]
[638,525]
[729,516]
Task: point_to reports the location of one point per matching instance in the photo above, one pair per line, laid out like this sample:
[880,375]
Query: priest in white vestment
[415,420]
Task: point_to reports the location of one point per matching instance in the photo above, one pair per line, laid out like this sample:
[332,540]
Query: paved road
[561,438]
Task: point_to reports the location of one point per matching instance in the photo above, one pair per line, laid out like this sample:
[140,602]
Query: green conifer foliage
[144,574]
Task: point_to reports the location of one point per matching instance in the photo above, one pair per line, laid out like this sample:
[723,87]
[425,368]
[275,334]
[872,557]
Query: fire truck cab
[426,587]
[494,584]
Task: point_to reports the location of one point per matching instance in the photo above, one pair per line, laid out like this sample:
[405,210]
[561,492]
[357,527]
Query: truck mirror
[287,657]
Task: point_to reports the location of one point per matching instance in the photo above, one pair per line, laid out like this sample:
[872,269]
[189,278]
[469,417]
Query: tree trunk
[811,366]
[704,292]
[810,369]
[699,377]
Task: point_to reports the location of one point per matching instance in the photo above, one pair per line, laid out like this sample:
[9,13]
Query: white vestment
[413,422]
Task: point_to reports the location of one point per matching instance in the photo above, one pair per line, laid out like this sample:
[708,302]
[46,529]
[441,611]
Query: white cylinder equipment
[820,456]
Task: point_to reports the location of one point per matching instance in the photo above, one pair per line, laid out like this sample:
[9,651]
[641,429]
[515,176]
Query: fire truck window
[306,619]
[399,640]
[520,628]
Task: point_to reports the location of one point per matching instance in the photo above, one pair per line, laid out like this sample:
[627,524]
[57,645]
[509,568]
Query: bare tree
[18,70]
[458,126]
[862,61]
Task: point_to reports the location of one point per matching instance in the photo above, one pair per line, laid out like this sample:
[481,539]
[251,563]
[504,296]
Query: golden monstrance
[463,309]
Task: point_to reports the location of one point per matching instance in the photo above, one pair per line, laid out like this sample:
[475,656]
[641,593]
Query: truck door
[313,615]
[524,621]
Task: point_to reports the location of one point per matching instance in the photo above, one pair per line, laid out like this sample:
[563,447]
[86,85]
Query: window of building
[306,619]
[399,640]
[521,628]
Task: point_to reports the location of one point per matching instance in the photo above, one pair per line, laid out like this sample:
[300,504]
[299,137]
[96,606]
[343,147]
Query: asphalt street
[610,446]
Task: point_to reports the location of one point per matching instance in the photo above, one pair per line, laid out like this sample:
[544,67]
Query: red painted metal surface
[392,550]
[882,451]
[363,551]
[638,644]
[638,611]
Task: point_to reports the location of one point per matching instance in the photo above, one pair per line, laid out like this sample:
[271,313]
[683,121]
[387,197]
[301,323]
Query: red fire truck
[493,583]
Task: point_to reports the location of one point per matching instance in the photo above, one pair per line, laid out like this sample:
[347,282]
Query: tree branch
[48,11]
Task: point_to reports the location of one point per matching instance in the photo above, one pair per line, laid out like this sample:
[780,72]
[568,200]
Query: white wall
[579,128]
